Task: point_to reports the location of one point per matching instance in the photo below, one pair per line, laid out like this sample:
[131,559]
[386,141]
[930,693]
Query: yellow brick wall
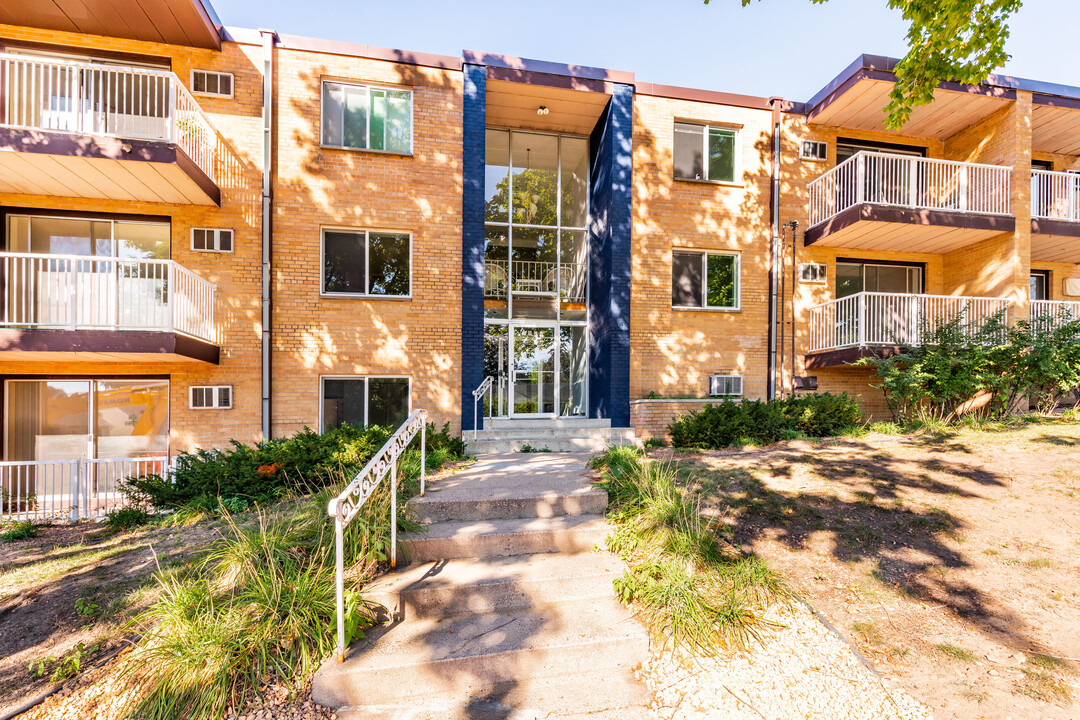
[236,274]
[672,352]
[650,418]
[317,187]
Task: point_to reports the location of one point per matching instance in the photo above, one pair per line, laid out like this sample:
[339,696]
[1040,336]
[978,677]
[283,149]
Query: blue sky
[772,47]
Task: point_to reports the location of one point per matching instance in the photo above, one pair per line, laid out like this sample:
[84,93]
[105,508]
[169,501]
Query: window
[812,273]
[361,262]
[99,237]
[705,280]
[366,118]
[206,82]
[704,152]
[362,401]
[814,150]
[725,385]
[856,277]
[211,240]
[1040,285]
[204,397]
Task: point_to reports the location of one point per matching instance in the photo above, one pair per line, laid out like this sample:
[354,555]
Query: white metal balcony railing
[80,488]
[911,182]
[127,102]
[567,280]
[78,292]
[871,318]
[1048,315]
[1055,195]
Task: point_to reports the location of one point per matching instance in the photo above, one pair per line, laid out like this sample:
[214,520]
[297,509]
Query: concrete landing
[507,610]
[562,435]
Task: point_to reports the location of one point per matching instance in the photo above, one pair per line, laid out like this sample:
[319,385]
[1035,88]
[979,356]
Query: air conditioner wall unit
[725,385]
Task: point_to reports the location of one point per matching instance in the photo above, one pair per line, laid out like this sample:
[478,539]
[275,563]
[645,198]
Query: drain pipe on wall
[267,223]
[774,204]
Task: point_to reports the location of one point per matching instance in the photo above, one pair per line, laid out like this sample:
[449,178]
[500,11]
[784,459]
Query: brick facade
[641,215]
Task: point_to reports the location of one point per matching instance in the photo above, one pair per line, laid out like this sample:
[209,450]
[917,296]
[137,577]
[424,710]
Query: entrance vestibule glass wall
[536,273]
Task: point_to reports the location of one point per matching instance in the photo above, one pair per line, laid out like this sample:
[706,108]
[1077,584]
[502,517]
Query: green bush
[126,518]
[758,422]
[935,382]
[270,470]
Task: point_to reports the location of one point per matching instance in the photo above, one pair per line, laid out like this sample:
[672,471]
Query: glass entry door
[533,378]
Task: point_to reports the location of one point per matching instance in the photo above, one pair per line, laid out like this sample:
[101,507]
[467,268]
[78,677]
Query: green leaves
[960,41]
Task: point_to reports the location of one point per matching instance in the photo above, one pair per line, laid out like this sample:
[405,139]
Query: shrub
[19,531]
[759,422]
[270,470]
[126,518]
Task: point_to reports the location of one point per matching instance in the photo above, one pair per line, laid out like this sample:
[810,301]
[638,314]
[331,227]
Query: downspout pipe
[268,37]
[774,206]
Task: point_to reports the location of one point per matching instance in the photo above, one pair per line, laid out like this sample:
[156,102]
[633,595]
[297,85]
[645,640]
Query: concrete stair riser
[485,652]
[513,536]
[593,502]
[458,587]
[526,424]
[555,445]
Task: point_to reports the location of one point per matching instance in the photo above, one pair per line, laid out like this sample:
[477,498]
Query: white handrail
[873,318]
[881,178]
[345,506]
[111,100]
[85,292]
[1055,195]
[477,394]
[536,277]
[1049,315]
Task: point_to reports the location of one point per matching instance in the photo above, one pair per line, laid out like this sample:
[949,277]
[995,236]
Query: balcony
[84,308]
[1048,315]
[1055,216]
[77,129]
[882,201]
[566,281]
[844,330]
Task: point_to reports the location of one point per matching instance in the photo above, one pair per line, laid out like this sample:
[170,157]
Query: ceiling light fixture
[542,110]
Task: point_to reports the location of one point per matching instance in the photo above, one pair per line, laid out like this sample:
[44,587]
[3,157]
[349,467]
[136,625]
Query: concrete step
[545,432]
[466,585]
[561,423]
[521,502]
[482,655]
[508,536]
[492,445]
[616,696]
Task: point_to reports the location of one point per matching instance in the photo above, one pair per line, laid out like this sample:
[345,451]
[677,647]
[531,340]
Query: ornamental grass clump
[260,603]
[690,591]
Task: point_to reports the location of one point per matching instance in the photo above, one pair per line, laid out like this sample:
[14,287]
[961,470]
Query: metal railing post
[76,481]
[861,331]
[423,459]
[339,591]
[964,187]
[393,514]
[860,179]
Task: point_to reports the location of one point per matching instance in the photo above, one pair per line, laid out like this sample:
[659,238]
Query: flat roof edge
[546,67]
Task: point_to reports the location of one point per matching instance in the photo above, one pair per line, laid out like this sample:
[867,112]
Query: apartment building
[214,233]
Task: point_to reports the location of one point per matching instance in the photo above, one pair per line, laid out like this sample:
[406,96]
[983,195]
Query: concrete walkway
[506,612]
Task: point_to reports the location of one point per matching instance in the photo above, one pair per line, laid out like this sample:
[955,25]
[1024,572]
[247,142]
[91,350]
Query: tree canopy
[948,40]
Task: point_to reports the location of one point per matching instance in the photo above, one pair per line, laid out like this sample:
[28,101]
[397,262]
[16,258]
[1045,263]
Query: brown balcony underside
[43,162]
[880,227]
[1055,240]
[95,346]
[847,356]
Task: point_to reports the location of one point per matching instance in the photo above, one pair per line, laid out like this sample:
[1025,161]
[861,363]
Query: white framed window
[366,117]
[705,280]
[815,150]
[812,273]
[725,385]
[212,239]
[366,263]
[210,397]
[364,400]
[708,153]
[209,82]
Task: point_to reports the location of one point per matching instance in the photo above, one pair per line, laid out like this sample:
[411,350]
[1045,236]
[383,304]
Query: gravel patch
[802,670]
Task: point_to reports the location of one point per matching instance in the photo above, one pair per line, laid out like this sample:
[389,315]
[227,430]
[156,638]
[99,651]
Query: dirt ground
[76,584]
[951,562]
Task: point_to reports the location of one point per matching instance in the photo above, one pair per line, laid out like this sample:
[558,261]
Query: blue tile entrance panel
[474,120]
[609,260]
